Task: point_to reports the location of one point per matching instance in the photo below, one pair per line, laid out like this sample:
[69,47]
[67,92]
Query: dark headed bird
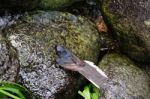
[69,61]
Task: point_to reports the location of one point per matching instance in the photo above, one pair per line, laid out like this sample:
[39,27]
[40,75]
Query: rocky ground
[114,34]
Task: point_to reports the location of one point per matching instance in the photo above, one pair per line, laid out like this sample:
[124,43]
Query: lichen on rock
[129,81]
[9,63]
[35,37]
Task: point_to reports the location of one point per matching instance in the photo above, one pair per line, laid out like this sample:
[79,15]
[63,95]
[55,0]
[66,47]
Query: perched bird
[69,61]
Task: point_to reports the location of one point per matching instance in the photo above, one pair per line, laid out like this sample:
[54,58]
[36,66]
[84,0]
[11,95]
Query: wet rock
[55,4]
[35,38]
[9,64]
[18,4]
[129,81]
[129,20]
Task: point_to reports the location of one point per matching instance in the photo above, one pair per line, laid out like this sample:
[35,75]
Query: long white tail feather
[94,66]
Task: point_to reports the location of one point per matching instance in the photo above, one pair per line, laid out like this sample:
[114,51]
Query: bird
[88,69]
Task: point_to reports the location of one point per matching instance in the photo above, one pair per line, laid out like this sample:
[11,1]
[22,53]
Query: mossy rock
[35,37]
[129,21]
[128,81]
[33,4]
[55,4]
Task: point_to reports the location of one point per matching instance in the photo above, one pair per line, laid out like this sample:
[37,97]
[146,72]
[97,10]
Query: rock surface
[129,81]
[55,4]
[31,4]
[35,38]
[130,21]
[8,20]
[9,64]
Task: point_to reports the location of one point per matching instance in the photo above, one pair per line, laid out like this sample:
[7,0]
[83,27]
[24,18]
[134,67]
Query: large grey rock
[9,64]
[128,81]
[35,38]
[130,21]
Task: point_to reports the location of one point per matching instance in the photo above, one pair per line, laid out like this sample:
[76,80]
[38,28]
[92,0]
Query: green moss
[76,33]
[55,4]
[35,42]
[132,35]
[128,79]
